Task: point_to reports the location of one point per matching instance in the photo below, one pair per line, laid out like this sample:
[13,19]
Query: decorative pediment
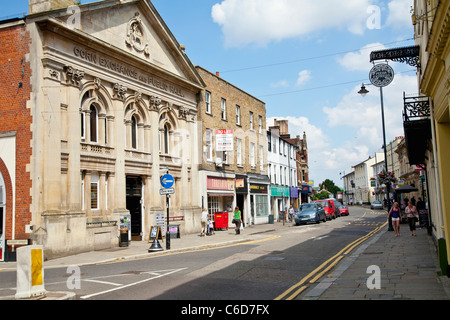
[137,35]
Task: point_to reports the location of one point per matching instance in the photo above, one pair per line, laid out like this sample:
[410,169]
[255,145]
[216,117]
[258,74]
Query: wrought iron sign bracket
[410,55]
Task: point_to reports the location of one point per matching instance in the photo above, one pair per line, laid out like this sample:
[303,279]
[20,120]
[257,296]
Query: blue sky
[306,60]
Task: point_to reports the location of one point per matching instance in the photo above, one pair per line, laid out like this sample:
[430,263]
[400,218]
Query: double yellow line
[324,267]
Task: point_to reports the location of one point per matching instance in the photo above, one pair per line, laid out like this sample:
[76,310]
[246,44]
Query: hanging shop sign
[381,75]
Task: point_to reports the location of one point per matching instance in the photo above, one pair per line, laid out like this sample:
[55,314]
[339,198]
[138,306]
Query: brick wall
[220,88]
[15,91]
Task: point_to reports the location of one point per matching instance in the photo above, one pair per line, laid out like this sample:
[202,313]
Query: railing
[416,108]
[138,155]
[98,149]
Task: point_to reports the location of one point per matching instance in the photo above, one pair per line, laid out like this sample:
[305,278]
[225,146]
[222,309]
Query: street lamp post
[380,76]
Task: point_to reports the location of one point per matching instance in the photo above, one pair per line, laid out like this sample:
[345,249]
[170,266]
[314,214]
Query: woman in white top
[412,215]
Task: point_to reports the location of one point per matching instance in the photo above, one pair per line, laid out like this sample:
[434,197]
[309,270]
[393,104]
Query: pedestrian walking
[204,222]
[291,213]
[394,213]
[237,219]
[412,216]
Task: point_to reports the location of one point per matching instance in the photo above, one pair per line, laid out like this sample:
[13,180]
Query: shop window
[214,204]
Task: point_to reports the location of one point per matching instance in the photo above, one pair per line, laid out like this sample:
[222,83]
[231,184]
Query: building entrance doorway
[134,205]
[240,203]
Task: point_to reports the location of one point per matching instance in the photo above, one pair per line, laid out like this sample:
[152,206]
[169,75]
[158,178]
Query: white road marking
[159,274]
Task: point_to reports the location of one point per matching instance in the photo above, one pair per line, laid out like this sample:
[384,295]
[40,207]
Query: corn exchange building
[109,104]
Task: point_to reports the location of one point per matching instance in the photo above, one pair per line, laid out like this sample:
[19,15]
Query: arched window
[166,139]
[134,132]
[94,122]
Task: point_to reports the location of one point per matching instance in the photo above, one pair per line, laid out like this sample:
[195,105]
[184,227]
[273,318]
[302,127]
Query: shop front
[259,203]
[221,192]
[305,193]
[279,200]
[242,196]
[293,192]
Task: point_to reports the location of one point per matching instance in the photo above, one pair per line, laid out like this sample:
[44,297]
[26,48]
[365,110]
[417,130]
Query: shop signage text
[258,188]
[130,72]
[215,183]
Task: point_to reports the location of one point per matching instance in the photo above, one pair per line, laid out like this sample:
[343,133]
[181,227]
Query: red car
[329,207]
[344,210]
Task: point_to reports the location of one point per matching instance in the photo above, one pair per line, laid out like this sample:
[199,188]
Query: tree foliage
[330,186]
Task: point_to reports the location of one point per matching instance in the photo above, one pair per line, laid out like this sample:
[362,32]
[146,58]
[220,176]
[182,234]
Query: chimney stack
[36,6]
[217,73]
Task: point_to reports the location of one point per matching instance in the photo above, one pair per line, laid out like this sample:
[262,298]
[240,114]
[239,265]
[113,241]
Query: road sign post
[167,182]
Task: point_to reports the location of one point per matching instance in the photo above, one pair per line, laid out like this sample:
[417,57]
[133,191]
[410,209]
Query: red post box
[221,220]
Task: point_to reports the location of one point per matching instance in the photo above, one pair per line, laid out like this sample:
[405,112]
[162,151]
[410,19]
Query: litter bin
[271,219]
[221,220]
[123,239]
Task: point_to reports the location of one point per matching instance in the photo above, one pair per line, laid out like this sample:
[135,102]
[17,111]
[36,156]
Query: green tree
[321,195]
[330,186]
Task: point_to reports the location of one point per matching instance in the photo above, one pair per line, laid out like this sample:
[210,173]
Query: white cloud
[364,114]
[278,84]
[359,61]
[399,13]
[262,21]
[303,77]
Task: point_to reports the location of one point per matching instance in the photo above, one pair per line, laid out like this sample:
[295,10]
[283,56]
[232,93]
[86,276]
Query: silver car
[310,212]
[376,205]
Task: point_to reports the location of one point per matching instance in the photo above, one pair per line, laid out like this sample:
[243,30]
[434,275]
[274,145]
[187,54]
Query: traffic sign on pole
[167,181]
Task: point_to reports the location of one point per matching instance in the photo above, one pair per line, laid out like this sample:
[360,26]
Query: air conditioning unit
[219,162]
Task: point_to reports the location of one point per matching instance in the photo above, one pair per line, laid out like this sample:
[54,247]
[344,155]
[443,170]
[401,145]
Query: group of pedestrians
[412,216]
[208,227]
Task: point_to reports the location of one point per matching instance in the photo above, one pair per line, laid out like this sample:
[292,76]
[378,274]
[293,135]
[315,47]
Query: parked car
[376,205]
[310,212]
[337,204]
[329,207]
[343,210]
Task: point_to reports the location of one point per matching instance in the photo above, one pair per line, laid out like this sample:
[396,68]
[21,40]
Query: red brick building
[15,132]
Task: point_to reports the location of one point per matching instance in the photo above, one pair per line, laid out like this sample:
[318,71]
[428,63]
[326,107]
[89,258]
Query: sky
[306,59]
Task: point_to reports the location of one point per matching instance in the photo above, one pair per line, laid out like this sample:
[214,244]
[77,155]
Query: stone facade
[113,107]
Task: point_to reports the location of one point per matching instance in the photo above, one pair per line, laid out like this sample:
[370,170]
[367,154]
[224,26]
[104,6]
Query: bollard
[30,272]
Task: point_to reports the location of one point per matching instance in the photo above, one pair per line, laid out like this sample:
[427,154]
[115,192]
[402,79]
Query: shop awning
[405,189]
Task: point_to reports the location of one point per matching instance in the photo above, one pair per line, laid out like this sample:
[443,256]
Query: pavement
[407,265]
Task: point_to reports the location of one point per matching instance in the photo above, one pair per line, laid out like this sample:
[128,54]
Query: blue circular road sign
[167,181]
